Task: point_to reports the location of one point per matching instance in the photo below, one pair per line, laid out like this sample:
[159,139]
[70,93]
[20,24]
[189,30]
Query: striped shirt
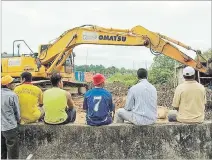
[142,100]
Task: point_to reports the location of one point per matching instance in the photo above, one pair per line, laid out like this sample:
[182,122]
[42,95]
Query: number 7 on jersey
[98,100]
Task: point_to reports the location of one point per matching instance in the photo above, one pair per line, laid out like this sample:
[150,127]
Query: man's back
[55,103]
[98,103]
[9,109]
[145,99]
[29,95]
[191,98]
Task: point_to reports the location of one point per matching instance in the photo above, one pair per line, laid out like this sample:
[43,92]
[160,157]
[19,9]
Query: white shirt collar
[97,87]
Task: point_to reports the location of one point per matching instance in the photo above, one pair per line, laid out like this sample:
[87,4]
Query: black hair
[55,79]
[189,77]
[142,73]
[27,76]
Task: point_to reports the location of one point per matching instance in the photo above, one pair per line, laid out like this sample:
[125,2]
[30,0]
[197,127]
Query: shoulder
[91,92]
[200,86]
[107,93]
[47,91]
[180,87]
[37,88]
[151,85]
[133,88]
[88,92]
[13,94]
[17,88]
[68,94]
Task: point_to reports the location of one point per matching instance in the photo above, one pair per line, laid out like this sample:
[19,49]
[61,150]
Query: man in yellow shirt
[30,99]
[58,103]
[189,100]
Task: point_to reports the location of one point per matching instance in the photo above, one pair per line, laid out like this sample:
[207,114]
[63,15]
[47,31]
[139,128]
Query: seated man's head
[189,73]
[26,77]
[99,80]
[142,73]
[56,80]
[7,82]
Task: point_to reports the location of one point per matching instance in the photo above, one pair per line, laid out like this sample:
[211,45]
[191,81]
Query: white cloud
[39,22]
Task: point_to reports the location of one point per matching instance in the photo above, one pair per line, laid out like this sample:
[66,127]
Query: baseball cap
[188,71]
[98,79]
[7,80]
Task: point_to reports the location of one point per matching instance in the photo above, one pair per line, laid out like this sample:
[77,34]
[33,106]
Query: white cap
[188,71]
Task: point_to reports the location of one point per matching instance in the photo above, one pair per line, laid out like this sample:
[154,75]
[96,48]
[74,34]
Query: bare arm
[40,99]
[85,106]
[70,101]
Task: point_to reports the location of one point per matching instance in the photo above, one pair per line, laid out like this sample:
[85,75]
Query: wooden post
[198,76]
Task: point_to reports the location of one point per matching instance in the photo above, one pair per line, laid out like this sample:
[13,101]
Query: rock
[162,112]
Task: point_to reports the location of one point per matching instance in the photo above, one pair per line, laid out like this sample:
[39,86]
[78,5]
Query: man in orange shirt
[29,97]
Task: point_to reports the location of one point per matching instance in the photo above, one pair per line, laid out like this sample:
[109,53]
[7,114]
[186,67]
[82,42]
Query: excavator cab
[69,64]
[17,62]
[31,53]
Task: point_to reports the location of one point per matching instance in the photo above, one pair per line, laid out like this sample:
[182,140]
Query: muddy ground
[119,92]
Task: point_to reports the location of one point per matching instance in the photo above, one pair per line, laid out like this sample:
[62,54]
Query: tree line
[107,71]
[162,70]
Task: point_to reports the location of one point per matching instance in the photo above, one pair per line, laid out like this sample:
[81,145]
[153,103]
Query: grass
[126,79]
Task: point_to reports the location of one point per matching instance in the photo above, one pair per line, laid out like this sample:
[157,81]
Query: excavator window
[68,65]
[18,46]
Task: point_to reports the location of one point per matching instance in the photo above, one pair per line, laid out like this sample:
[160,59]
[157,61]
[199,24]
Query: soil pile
[165,95]
[119,92]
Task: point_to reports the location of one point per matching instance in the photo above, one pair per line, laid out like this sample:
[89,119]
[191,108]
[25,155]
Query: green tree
[162,69]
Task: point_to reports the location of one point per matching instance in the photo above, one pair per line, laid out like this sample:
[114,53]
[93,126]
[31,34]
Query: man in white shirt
[141,103]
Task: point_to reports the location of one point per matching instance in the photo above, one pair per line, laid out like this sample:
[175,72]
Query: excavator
[58,56]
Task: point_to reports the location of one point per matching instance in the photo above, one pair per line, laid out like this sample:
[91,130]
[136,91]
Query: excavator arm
[57,52]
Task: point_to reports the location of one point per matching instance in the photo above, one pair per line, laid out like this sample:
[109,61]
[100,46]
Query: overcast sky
[39,22]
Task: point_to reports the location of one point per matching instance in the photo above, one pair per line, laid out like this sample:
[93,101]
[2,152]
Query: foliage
[127,79]
[162,69]
[103,70]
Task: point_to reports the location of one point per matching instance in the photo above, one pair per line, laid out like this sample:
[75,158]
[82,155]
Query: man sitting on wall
[10,118]
[58,103]
[189,100]
[29,97]
[141,103]
[98,103]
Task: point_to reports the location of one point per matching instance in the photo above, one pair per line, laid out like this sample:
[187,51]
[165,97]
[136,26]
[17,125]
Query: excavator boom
[57,52]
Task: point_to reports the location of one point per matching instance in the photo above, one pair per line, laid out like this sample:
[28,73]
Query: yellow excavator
[58,56]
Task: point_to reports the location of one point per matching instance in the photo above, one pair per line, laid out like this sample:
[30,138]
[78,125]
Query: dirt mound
[119,92]
[165,95]
[117,88]
[209,98]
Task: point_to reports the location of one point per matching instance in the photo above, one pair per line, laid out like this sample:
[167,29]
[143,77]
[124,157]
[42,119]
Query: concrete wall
[161,141]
